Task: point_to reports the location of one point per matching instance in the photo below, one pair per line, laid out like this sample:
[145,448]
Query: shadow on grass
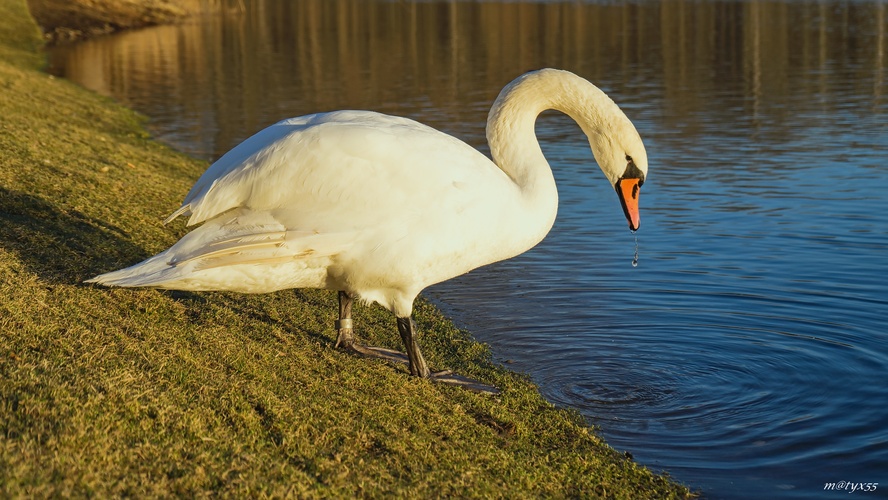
[58,245]
[64,246]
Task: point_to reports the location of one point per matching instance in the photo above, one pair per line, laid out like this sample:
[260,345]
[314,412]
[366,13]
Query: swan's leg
[414,359]
[417,363]
[346,339]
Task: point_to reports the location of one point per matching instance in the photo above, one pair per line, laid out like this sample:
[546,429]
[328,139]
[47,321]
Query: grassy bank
[146,393]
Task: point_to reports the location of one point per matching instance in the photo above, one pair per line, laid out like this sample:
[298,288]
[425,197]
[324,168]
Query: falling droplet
[635,259]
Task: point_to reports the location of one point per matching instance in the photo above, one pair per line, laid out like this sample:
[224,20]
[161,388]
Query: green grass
[117,392]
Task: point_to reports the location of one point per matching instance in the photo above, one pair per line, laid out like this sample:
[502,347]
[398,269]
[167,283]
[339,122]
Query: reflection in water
[236,74]
[744,352]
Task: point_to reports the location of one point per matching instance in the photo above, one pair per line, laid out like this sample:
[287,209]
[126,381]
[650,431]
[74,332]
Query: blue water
[748,349]
[747,352]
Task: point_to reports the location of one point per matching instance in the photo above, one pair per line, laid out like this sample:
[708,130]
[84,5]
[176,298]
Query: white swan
[380,207]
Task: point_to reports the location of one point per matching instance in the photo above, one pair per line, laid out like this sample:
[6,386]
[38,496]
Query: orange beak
[627,190]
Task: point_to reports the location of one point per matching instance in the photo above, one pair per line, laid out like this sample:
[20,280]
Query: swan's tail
[153,272]
[247,252]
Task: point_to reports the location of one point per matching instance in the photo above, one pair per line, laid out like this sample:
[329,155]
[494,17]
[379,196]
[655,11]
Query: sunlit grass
[111,392]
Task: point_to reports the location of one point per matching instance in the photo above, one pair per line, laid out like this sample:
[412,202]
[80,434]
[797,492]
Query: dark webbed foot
[377,352]
[448,377]
[443,376]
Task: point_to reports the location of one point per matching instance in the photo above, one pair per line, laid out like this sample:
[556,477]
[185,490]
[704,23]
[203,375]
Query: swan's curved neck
[516,151]
[510,124]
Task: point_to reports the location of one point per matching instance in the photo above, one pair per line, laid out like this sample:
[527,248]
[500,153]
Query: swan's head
[621,155]
[615,142]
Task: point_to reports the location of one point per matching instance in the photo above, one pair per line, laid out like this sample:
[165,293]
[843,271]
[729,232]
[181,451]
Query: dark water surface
[747,354]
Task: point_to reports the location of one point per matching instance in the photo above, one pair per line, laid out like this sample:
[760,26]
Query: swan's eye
[632,171]
[630,163]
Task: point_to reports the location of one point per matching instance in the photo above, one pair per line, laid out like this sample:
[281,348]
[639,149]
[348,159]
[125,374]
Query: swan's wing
[240,238]
[250,238]
[245,157]
[336,171]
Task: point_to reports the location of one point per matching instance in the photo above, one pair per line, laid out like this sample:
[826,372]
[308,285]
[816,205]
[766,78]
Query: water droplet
[635,259]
